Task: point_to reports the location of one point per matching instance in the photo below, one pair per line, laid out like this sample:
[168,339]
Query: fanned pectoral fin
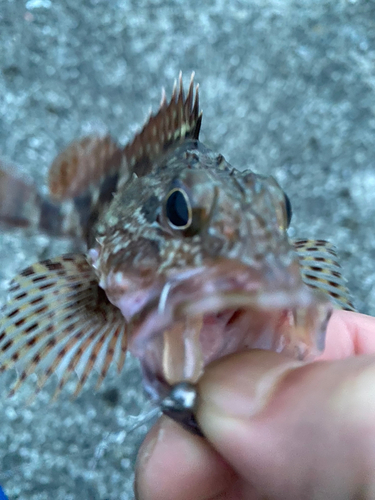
[60,321]
[320,269]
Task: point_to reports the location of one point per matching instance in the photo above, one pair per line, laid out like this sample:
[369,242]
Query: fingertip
[234,394]
[348,334]
[240,385]
[285,414]
[174,464]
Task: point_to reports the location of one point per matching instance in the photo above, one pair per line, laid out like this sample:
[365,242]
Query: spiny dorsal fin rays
[174,122]
[320,269]
[84,177]
[59,320]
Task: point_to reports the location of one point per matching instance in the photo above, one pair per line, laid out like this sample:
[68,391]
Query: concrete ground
[287,87]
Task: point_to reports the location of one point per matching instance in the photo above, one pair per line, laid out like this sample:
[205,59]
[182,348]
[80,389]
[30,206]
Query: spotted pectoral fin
[59,321]
[320,269]
[176,121]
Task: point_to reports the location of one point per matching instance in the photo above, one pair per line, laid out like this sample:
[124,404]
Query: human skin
[275,428]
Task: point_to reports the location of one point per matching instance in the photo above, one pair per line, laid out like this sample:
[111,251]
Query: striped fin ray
[95,350]
[174,122]
[59,321]
[320,269]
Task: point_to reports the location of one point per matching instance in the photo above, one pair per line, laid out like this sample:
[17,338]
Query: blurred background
[287,88]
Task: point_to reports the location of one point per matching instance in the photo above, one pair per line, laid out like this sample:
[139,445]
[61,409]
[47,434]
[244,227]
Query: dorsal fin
[82,181]
[87,172]
[173,123]
[84,163]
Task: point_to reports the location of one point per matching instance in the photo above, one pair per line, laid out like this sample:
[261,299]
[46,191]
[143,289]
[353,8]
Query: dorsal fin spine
[174,122]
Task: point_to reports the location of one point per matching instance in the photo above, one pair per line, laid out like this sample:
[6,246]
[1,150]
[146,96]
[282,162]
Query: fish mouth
[204,314]
[304,309]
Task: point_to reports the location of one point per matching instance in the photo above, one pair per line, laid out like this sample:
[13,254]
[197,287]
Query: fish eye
[288,210]
[178,209]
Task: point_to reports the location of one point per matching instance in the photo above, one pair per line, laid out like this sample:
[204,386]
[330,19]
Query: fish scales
[187,259]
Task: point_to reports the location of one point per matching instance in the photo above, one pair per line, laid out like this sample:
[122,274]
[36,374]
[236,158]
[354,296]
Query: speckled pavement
[287,87]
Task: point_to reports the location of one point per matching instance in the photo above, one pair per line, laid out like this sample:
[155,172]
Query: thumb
[293,430]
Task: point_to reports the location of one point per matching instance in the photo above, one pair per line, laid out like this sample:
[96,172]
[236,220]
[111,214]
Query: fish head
[199,262]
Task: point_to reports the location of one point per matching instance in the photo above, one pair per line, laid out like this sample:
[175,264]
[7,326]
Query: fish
[185,259]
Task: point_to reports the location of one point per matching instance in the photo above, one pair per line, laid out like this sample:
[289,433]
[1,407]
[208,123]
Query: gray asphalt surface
[287,87]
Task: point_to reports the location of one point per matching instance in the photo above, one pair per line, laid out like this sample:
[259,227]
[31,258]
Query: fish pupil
[177,209]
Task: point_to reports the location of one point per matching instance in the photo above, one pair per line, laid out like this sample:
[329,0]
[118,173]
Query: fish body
[188,259]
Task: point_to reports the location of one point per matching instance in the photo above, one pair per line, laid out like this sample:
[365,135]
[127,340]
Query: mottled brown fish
[188,259]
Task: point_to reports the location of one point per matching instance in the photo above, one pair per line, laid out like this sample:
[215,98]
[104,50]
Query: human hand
[276,428]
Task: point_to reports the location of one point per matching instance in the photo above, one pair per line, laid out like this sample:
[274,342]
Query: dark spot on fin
[176,121]
[90,204]
[83,164]
[108,188]
[320,270]
[70,328]
[83,206]
[87,172]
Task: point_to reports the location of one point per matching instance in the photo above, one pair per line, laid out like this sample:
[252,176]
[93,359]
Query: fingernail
[241,385]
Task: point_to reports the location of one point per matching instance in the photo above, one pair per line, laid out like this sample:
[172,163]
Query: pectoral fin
[320,269]
[58,320]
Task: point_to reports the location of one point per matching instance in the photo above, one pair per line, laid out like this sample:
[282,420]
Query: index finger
[349,334]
